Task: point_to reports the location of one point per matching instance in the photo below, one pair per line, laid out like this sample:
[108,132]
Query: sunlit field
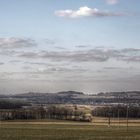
[66,130]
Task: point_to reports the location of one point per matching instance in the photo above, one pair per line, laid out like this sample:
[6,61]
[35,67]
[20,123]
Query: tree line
[10,104]
[52,112]
[117,111]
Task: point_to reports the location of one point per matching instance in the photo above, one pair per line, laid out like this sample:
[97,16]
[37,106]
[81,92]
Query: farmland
[68,130]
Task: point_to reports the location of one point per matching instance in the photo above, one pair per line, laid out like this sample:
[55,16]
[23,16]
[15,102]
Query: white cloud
[1,63]
[85,12]
[13,42]
[112,2]
[90,55]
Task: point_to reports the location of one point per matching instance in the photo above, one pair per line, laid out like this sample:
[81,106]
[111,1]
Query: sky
[58,45]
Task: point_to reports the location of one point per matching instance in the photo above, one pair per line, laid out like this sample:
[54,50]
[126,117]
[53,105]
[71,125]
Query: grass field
[65,130]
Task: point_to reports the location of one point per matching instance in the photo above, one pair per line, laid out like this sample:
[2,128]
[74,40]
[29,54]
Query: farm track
[102,122]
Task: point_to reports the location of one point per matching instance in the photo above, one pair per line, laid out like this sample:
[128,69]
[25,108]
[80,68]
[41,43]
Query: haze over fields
[84,45]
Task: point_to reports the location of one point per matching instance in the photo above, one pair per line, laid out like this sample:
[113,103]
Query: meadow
[66,130]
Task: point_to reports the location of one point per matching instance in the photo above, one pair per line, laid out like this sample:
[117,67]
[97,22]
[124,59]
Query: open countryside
[36,119]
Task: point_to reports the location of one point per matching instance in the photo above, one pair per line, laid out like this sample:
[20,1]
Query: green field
[66,131]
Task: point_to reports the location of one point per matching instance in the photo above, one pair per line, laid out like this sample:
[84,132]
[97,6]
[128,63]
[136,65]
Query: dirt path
[123,123]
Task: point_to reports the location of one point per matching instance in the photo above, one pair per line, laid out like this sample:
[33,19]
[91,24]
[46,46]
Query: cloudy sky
[83,45]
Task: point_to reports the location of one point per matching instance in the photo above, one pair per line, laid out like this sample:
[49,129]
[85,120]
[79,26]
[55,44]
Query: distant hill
[121,94]
[75,97]
[71,92]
